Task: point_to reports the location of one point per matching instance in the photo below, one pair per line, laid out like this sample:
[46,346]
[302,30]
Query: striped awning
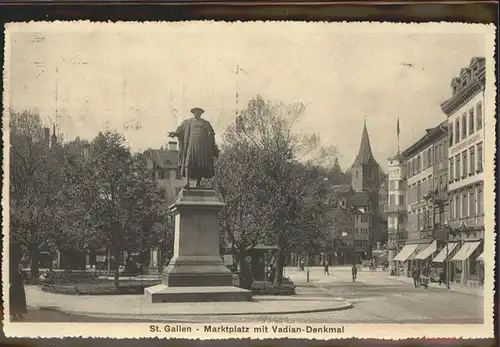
[465,252]
[405,253]
[481,257]
[445,252]
[420,248]
[426,253]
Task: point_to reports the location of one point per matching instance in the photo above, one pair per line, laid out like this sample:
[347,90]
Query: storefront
[404,254]
[421,258]
[467,267]
[413,261]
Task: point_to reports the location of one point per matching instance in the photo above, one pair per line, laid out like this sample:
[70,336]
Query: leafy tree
[271,195]
[235,180]
[35,178]
[115,201]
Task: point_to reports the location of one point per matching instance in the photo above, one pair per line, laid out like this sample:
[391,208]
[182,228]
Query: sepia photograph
[248,180]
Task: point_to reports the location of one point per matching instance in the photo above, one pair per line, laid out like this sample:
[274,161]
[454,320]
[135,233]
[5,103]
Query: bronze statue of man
[197,148]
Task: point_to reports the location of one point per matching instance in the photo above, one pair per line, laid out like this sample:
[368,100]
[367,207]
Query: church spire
[365,155]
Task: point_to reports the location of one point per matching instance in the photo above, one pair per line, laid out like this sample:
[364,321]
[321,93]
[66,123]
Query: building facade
[424,162]
[395,209]
[355,209]
[465,114]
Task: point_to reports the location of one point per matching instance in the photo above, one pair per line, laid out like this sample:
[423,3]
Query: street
[376,299]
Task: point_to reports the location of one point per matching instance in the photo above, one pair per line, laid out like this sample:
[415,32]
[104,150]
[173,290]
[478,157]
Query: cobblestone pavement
[376,299]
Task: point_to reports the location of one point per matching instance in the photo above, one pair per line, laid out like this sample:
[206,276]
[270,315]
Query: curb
[344,305]
[395,278]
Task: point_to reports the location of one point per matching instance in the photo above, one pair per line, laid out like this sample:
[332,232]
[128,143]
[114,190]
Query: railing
[474,221]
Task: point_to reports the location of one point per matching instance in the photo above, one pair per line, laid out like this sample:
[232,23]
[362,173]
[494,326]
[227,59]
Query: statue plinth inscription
[196,271]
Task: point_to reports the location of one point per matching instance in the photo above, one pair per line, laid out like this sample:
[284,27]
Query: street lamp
[446,261]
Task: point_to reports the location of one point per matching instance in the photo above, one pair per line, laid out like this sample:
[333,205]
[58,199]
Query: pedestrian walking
[424,276]
[326,268]
[415,274]
[354,271]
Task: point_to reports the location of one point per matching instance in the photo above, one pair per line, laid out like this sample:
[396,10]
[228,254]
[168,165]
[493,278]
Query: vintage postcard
[212,180]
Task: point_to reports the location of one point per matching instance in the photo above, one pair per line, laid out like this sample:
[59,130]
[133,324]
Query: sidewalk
[138,306]
[453,286]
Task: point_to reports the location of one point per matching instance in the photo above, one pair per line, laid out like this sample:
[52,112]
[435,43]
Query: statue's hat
[197,110]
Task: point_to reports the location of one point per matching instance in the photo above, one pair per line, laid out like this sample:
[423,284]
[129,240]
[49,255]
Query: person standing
[326,268]
[17,294]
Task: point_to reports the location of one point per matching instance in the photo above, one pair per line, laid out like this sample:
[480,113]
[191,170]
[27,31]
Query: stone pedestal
[196,271]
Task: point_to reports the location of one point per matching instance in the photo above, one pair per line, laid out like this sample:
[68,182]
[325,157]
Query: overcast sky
[130,77]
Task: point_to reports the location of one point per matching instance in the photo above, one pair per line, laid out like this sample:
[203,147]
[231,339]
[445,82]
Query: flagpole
[398,134]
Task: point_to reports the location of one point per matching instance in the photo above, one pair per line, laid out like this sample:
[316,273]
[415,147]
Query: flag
[397,127]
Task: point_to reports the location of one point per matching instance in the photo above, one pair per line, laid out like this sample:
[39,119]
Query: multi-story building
[465,114]
[355,209]
[395,209]
[162,164]
[422,193]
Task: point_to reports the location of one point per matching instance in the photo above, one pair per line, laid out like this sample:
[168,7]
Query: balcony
[388,208]
[469,222]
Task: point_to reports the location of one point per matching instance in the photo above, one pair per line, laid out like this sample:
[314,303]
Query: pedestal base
[161,293]
[197,271]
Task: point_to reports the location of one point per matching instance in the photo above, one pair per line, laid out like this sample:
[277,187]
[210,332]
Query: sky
[142,79]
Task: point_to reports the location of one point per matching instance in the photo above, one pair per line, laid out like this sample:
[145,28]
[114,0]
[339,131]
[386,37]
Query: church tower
[365,169]
[365,183]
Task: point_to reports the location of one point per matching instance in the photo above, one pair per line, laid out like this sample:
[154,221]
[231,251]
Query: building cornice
[426,140]
[454,103]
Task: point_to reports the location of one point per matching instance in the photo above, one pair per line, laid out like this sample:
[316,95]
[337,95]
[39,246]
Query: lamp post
[446,261]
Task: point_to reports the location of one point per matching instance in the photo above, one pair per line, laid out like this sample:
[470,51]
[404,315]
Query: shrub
[268,288]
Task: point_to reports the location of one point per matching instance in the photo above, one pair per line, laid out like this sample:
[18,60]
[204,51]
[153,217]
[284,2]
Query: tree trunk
[280,260]
[116,279]
[244,275]
[35,264]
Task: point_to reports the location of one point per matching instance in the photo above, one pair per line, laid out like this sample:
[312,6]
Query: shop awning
[465,252]
[426,253]
[445,252]
[420,249]
[481,257]
[405,253]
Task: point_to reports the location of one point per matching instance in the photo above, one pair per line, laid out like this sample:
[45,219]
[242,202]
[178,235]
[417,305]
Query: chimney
[172,146]
[46,137]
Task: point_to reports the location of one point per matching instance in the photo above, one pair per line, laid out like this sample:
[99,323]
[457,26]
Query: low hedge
[101,287]
[268,288]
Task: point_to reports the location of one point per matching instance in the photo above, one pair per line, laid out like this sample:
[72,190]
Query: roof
[359,199]
[430,136]
[365,155]
[340,188]
[162,158]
